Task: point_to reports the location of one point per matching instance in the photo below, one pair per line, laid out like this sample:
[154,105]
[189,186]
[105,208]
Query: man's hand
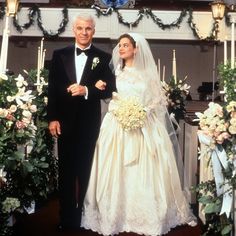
[101,85]
[54,128]
[76,90]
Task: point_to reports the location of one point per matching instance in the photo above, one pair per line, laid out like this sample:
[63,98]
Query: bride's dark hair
[129,37]
[132,42]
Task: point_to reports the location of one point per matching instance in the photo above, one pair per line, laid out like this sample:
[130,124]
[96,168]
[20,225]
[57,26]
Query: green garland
[31,15]
[175,24]
[148,12]
[47,34]
[33,11]
[195,30]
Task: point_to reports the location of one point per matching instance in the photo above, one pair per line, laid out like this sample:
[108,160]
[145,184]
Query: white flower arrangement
[130,113]
[213,124]
[95,62]
[26,149]
[176,92]
[10,204]
[219,149]
[19,109]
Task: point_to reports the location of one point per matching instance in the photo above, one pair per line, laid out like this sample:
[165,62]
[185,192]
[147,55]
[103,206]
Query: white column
[225,51]
[232,43]
[4,49]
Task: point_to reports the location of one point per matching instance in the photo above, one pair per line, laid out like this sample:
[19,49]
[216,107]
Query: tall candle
[38,65]
[43,58]
[159,68]
[225,51]
[174,67]
[232,44]
[130,27]
[163,73]
[41,53]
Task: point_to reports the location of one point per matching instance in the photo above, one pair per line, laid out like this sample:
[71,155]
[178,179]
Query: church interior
[194,52]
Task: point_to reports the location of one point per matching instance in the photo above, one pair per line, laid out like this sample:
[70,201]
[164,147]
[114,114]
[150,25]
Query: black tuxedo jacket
[76,114]
[80,123]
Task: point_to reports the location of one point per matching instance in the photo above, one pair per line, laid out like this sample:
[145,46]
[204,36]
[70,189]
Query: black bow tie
[79,51]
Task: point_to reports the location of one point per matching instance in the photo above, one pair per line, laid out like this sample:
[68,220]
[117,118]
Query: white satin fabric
[134,184]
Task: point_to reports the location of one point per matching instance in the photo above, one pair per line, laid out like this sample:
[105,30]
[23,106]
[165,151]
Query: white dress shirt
[80,62]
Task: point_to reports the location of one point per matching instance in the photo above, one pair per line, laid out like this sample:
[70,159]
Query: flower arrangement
[215,123]
[28,169]
[16,110]
[176,92]
[130,113]
[217,133]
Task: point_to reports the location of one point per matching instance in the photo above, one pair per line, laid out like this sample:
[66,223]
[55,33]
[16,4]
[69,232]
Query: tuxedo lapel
[87,70]
[69,61]
[88,66]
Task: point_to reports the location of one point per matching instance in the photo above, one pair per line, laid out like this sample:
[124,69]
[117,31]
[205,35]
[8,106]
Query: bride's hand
[100,85]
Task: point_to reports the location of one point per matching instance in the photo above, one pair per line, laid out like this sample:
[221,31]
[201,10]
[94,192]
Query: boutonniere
[95,62]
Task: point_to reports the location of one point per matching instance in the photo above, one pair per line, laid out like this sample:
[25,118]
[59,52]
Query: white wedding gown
[134,184]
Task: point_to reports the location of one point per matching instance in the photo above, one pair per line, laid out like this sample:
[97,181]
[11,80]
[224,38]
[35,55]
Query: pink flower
[20,124]
[9,116]
[220,139]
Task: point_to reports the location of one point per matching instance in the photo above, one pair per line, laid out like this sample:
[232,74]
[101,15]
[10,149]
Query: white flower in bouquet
[3,77]
[3,112]
[232,127]
[33,108]
[185,88]
[165,86]
[20,81]
[23,96]
[231,109]
[3,175]
[10,98]
[45,99]
[13,108]
[10,204]
[130,113]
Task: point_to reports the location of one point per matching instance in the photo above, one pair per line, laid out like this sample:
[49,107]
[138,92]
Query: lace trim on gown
[137,218]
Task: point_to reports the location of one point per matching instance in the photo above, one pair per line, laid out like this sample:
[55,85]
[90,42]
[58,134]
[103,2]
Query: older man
[74,114]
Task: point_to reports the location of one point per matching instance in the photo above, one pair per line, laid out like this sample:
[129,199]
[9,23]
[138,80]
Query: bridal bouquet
[130,113]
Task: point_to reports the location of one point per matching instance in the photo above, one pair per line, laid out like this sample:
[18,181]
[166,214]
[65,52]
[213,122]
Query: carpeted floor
[43,223]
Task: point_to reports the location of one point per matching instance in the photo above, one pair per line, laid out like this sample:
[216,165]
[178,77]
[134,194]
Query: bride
[135,184]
